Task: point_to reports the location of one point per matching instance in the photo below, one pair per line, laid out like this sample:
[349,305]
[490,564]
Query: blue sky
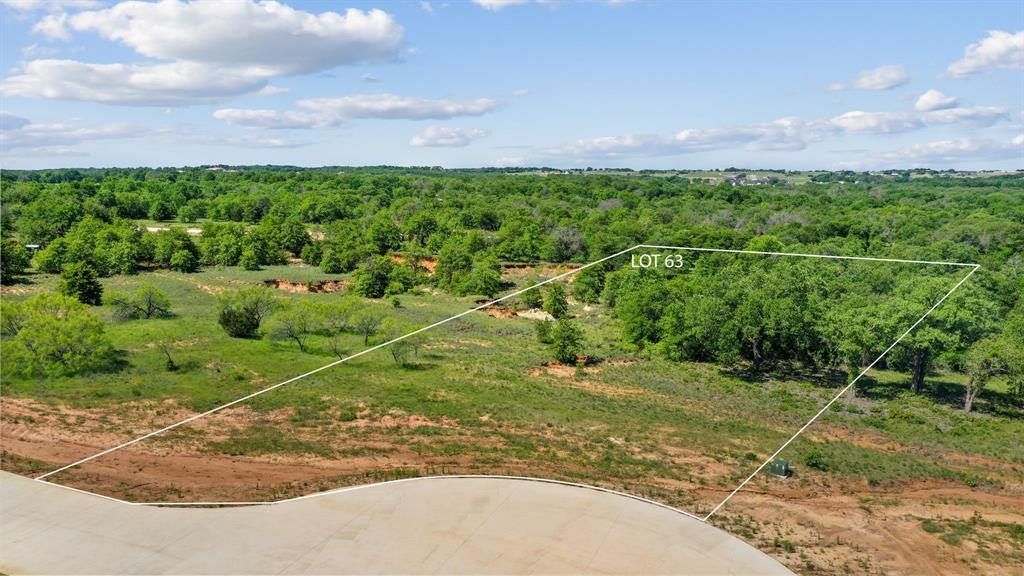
[467,84]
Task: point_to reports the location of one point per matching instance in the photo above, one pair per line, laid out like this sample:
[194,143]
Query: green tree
[484,278]
[374,278]
[249,260]
[54,335]
[14,259]
[184,261]
[366,322]
[566,341]
[294,322]
[148,302]
[555,301]
[986,359]
[588,285]
[241,313]
[80,281]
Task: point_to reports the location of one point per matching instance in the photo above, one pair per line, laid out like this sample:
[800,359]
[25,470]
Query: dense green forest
[761,314]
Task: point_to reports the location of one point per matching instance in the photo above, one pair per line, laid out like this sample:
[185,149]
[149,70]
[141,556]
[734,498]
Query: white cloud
[944,153]
[331,112]
[521,92]
[392,107]
[426,7]
[35,50]
[507,161]
[269,90]
[784,134]
[881,78]
[207,51]
[858,122]
[495,5]
[273,38]
[21,137]
[369,78]
[447,136]
[273,119]
[50,5]
[998,50]
[19,134]
[934,100]
[53,26]
[173,84]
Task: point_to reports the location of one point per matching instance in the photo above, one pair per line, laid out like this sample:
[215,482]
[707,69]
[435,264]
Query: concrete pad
[453,525]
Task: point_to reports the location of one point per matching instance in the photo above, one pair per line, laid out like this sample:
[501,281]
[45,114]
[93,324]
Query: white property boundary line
[974,268]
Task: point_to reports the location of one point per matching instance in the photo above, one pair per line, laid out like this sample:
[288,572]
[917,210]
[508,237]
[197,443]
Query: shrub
[54,335]
[14,259]
[543,331]
[566,341]
[79,280]
[816,459]
[184,261]
[588,285]
[555,301]
[147,302]
[242,312]
[249,260]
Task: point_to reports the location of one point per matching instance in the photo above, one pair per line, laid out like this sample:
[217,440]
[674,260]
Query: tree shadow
[822,377]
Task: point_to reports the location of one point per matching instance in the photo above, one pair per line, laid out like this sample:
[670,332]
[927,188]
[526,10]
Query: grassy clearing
[480,396]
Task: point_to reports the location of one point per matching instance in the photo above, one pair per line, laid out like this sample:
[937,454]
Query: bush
[79,280]
[312,253]
[147,302]
[184,261]
[816,459]
[14,260]
[555,301]
[332,262]
[543,331]
[532,298]
[566,341]
[588,285]
[242,312]
[249,260]
[374,279]
[54,335]
[295,323]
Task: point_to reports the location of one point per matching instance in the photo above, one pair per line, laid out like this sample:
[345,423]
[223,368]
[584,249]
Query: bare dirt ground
[827,527]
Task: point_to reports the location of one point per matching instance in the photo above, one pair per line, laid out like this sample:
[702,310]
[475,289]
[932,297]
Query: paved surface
[442,525]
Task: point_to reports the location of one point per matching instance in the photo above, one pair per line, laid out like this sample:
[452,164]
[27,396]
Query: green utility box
[780,468]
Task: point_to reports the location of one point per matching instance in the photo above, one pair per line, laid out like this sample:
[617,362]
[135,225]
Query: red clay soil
[821,525]
[325,286]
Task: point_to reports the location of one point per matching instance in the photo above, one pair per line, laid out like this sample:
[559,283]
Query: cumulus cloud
[272,37]
[784,134]
[882,78]
[204,51]
[998,50]
[934,100]
[447,136]
[369,78]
